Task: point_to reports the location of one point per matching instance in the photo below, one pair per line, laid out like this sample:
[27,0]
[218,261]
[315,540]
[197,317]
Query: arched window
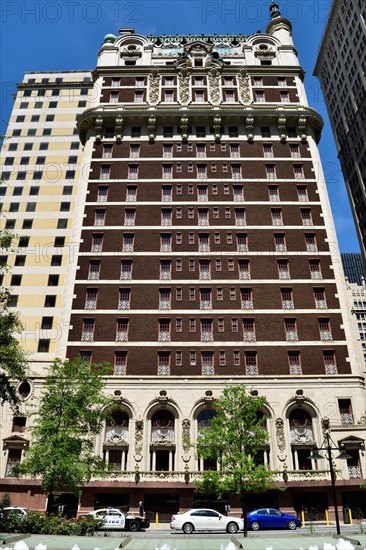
[115,447]
[162,450]
[204,419]
[162,427]
[301,438]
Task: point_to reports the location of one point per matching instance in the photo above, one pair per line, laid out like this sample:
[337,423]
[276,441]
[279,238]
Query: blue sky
[66,35]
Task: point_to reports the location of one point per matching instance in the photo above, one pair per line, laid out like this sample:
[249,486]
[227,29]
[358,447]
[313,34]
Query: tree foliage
[71,412]
[13,359]
[233,439]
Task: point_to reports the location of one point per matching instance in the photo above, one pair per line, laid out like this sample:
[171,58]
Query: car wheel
[232,527]
[188,528]
[291,525]
[134,526]
[255,526]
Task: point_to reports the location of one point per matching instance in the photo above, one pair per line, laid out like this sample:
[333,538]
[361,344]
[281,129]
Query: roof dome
[109,39]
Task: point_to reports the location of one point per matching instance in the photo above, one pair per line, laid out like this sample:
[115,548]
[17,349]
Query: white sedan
[205,520]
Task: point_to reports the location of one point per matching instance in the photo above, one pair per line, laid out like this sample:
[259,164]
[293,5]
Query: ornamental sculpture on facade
[151,128]
[302,124]
[280,434]
[249,126]
[183,89]
[184,121]
[217,122]
[98,129]
[119,129]
[281,123]
[244,87]
[139,433]
[214,86]
[154,84]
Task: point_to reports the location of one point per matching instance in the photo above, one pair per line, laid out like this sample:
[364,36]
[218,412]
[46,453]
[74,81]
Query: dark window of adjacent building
[135,132]
[2,190]
[13,146]
[38,105]
[9,161]
[13,300]
[168,131]
[265,131]
[55,91]
[16,133]
[47,131]
[81,103]
[50,301]
[62,223]
[31,80]
[70,174]
[23,105]
[52,104]
[9,224]
[50,118]
[30,207]
[53,280]
[59,241]
[65,207]
[17,191]
[16,280]
[37,175]
[27,93]
[24,160]
[45,80]
[75,145]
[67,190]
[21,175]
[27,224]
[73,160]
[233,131]
[28,146]
[20,260]
[20,118]
[56,260]
[5,176]
[41,92]
[35,118]
[34,190]
[43,345]
[59,79]
[14,207]
[43,147]
[23,242]
[46,323]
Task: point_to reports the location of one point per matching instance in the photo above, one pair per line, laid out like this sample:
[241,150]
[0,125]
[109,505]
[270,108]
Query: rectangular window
[325,330]
[295,150]
[320,298]
[291,330]
[192,294]
[267,150]
[249,334]
[120,363]
[294,360]
[302,193]
[113,97]
[219,294]
[285,97]
[246,298]
[105,171]
[310,241]
[276,214]
[222,358]
[271,171]
[280,242]
[99,217]
[299,171]
[306,217]
[133,171]
[236,358]
[283,269]
[330,364]
[192,325]
[287,298]
[178,294]
[130,215]
[315,269]
[251,363]
[192,358]
[260,97]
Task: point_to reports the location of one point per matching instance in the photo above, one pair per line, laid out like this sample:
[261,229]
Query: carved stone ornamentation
[184,121]
[139,433]
[362,421]
[302,124]
[151,127]
[249,126]
[281,123]
[214,86]
[98,129]
[154,84]
[244,87]
[217,121]
[183,90]
[280,434]
[119,129]
[186,435]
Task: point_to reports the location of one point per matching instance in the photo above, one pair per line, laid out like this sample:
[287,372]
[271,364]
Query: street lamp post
[326,446]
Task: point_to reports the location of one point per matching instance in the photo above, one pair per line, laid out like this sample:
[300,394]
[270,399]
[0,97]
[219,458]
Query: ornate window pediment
[15,442]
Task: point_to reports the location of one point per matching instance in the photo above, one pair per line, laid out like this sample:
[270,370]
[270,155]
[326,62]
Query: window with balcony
[134,150]
[133,171]
[168,131]
[86,356]
[249,330]
[131,194]
[295,150]
[167,150]
[107,151]
[166,242]
[325,330]
[113,97]
[201,171]
[320,298]
[238,193]
[120,363]
[205,298]
[91,296]
[310,242]
[166,193]
[167,171]
[204,270]
[199,96]
[115,82]
[163,370]
[259,96]
[240,217]
[14,458]
[242,243]
[302,193]
[87,334]
[283,269]
[169,96]
[267,150]
[330,364]
[102,194]
[105,172]
[138,97]
[273,193]
[271,173]
[294,361]
[287,298]
[306,217]
[165,270]
[128,242]
[291,330]
[201,150]
[246,298]
[97,242]
[166,216]
[124,298]
[202,193]
[203,219]
[251,363]
[164,298]
[164,330]
[236,171]
[94,270]
[315,269]
[130,215]
[244,270]
[122,326]
[206,330]
[299,171]
[203,242]
[126,270]
[234,150]
[345,412]
[285,97]
[207,363]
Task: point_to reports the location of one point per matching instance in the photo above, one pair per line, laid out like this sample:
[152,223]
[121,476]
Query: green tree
[71,412]
[13,359]
[234,439]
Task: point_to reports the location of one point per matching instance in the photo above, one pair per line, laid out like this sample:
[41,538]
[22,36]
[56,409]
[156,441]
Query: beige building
[202,258]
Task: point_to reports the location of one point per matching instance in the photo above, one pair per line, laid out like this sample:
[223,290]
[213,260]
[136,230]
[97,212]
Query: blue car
[270,518]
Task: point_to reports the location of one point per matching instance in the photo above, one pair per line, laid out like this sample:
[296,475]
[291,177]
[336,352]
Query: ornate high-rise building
[201,257]
[341,69]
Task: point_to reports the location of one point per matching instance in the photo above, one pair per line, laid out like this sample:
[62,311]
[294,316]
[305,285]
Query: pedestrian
[141,509]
